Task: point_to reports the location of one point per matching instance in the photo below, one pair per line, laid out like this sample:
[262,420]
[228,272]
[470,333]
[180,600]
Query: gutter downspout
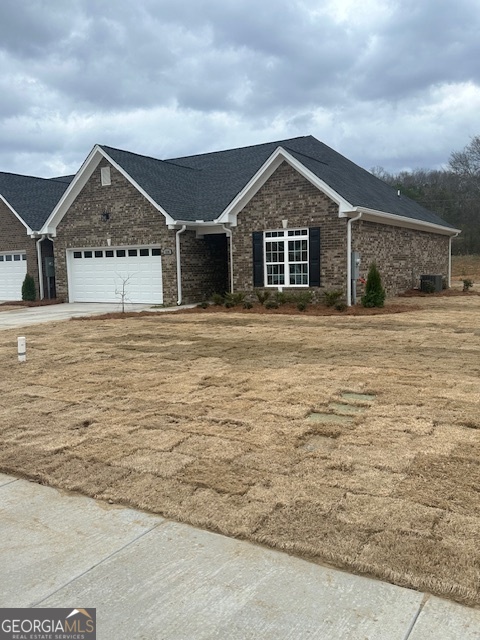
[179,266]
[40,265]
[229,235]
[450,258]
[349,257]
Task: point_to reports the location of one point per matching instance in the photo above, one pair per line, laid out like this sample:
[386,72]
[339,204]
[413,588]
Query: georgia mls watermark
[48,624]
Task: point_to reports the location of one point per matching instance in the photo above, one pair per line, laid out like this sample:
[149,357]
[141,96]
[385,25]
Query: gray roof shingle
[33,199]
[200,187]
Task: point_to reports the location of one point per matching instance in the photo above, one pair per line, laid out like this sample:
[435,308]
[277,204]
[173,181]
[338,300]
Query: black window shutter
[257,238]
[314,257]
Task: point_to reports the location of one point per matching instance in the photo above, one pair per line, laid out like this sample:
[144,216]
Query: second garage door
[99,275]
[13,269]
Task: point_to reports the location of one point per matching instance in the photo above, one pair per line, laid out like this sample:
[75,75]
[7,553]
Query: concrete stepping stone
[330,418]
[315,443]
[348,409]
[358,397]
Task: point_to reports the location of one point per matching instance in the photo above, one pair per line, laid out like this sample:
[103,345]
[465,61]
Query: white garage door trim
[96,274]
[13,269]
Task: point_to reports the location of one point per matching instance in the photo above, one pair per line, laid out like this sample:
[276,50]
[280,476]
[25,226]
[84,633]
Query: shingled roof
[200,187]
[32,199]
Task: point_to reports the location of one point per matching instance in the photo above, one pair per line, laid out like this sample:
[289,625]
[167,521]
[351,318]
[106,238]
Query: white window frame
[285,236]
[105,176]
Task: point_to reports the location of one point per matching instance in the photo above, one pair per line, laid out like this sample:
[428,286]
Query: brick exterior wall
[14,238]
[133,221]
[402,255]
[288,195]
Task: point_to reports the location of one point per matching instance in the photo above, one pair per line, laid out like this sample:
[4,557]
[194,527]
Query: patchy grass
[466,267]
[206,419]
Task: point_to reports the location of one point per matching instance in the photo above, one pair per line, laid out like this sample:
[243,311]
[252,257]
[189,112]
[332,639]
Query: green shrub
[28,289]
[203,305]
[281,297]
[374,292]
[341,306]
[305,296]
[271,304]
[262,295]
[467,284]
[247,304]
[218,299]
[332,297]
[233,299]
[301,305]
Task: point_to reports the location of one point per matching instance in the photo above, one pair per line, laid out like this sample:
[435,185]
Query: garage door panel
[101,277]
[13,269]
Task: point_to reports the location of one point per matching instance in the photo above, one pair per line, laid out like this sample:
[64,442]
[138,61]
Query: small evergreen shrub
[374,292]
[467,284]
[28,289]
[218,299]
[302,305]
[233,299]
[281,297]
[332,297]
[262,295]
[203,305]
[341,306]
[271,304]
[247,304]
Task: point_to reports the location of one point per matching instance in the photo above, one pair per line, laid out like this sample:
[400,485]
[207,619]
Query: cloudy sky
[392,83]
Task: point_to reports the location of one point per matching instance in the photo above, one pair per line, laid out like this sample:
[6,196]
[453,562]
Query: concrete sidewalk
[26,316]
[151,578]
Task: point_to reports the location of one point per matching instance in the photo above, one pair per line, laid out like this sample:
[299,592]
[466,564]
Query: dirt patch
[31,303]
[205,417]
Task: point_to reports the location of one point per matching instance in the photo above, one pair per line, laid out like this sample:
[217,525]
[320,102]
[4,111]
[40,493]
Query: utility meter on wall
[356,262]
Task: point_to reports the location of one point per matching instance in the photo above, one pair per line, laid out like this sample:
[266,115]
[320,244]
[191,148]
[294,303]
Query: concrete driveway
[151,578]
[25,316]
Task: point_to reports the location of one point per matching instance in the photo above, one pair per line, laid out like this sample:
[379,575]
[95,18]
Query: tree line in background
[453,193]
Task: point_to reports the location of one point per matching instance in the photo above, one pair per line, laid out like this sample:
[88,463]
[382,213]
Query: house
[25,204]
[284,214]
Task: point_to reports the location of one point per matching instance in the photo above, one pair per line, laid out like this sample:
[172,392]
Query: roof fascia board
[19,218]
[83,175]
[229,215]
[71,192]
[382,217]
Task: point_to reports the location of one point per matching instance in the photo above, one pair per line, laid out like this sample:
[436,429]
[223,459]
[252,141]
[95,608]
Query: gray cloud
[385,83]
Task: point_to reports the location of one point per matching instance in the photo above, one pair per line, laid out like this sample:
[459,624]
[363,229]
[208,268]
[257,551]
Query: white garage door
[13,269]
[99,275]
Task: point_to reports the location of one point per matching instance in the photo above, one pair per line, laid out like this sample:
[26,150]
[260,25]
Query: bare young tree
[122,291]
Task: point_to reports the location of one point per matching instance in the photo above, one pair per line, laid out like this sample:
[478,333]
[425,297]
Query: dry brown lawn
[206,419]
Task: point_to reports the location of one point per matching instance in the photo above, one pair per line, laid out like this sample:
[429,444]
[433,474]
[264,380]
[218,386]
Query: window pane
[17,257]
[132,252]
[299,274]
[87,254]
[275,274]
[1,258]
[77,254]
[297,251]
[144,252]
[24,256]
[98,254]
[109,253]
[156,252]
[274,252]
[8,258]
[120,253]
